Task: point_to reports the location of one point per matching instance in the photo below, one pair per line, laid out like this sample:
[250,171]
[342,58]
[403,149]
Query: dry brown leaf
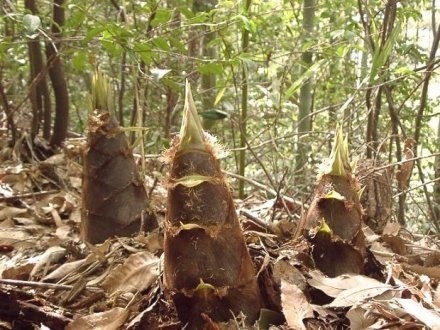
[18,237]
[361,293]
[436,298]
[392,228]
[360,318]
[416,310]
[396,243]
[50,256]
[295,305]
[138,272]
[403,174]
[283,270]
[333,287]
[10,211]
[109,320]
[433,272]
[64,270]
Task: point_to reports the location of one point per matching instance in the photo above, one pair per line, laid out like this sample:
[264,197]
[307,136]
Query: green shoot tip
[101,94]
[191,132]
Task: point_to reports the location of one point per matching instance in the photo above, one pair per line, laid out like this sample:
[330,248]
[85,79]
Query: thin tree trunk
[436,196]
[418,124]
[306,91]
[9,114]
[39,97]
[244,107]
[57,76]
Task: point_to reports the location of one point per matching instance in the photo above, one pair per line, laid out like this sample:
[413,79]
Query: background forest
[271,79]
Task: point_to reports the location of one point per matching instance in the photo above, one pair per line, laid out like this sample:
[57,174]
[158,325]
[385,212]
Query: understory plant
[207,265]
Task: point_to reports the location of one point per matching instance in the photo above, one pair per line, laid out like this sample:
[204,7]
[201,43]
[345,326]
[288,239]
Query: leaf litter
[50,279]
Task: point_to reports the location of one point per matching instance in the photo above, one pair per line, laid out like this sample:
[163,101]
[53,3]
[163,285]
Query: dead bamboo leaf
[64,270]
[360,318]
[109,320]
[361,293]
[138,272]
[50,256]
[416,310]
[10,211]
[295,305]
[334,286]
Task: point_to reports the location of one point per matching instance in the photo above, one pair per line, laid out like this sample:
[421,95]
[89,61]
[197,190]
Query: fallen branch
[27,195]
[43,285]
[23,312]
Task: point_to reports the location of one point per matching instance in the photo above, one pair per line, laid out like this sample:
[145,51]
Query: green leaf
[381,55]
[211,68]
[93,33]
[299,82]
[176,43]
[213,114]
[161,43]
[247,24]
[144,51]
[219,96]
[80,60]
[161,16]
[31,22]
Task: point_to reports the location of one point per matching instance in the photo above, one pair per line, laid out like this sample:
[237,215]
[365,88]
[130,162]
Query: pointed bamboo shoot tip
[101,97]
[339,163]
[191,132]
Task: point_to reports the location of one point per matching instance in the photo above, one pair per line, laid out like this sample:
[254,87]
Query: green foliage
[149,48]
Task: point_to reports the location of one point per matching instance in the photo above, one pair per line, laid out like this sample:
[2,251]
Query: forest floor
[50,279]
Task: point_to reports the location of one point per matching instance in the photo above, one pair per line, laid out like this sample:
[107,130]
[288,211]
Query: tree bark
[57,76]
[39,97]
[306,92]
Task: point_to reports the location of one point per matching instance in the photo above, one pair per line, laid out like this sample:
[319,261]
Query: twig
[41,284]
[398,163]
[263,187]
[248,214]
[416,187]
[12,307]
[26,195]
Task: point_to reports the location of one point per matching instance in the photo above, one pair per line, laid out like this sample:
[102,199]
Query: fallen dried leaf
[109,320]
[9,212]
[360,294]
[416,310]
[137,273]
[295,305]
[333,287]
[360,318]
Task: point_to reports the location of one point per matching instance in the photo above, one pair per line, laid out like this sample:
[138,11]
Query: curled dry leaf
[52,255]
[109,320]
[360,318]
[138,272]
[295,305]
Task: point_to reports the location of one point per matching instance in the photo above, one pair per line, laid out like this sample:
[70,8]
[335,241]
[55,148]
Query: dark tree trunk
[57,76]
[40,97]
